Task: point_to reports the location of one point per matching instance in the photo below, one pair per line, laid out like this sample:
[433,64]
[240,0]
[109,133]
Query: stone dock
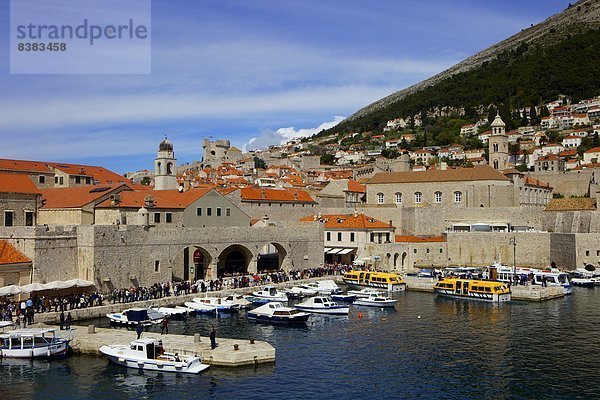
[523,293]
[229,352]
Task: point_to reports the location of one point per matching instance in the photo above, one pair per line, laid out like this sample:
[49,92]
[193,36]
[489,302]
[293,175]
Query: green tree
[259,163]
[145,181]
[327,159]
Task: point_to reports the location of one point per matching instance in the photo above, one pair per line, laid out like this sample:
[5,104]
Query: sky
[256,72]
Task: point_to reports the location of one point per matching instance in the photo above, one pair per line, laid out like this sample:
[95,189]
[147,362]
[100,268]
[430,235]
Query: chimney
[390,222]
[149,201]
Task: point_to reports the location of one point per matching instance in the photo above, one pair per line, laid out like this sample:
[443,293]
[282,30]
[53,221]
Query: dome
[498,122]
[165,145]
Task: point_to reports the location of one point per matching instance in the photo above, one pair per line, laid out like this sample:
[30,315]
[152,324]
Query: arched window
[418,197]
[398,197]
[495,164]
[379,198]
[457,197]
[170,169]
[495,147]
[437,197]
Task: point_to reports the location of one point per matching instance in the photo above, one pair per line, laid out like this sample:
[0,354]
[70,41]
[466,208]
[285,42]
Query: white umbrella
[79,283]
[10,290]
[32,287]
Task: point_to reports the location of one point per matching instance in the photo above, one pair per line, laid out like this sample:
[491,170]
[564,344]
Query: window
[28,218]
[60,180]
[379,198]
[418,197]
[56,180]
[457,197]
[78,180]
[352,236]
[441,250]
[168,218]
[437,197]
[9,218]
[398,197]
[587,252]
[329,236]
[208,211]
[41,179]
[372,236]
[157,218]
[495,147]
[88,180]
[415,251]
[339,236]
[228,212]
[218,211]
[387,237]
[157,266]
[199,211]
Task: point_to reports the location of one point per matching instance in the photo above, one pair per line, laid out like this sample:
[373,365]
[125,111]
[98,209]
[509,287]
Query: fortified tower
[165,166]
[498,143]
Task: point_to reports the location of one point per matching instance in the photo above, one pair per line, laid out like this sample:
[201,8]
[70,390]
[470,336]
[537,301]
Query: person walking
[139,330]
[213,338]
[165,326]
[68,321]
[62,320]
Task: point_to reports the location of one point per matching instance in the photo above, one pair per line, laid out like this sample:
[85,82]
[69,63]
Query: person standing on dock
[62,320]
[139,330]
[213,338]
[68,321]
[165,326]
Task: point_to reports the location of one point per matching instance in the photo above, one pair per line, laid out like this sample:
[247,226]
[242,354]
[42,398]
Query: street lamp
[513,242]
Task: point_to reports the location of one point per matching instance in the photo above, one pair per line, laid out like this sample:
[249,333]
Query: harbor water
[427,347]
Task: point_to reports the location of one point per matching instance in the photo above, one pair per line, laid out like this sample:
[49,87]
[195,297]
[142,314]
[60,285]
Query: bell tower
[498,144]
[165,167]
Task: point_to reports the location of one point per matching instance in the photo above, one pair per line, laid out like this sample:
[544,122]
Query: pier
[229,352]
[518,292]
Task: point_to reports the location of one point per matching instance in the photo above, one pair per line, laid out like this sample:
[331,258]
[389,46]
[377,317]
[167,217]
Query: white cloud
[270,137]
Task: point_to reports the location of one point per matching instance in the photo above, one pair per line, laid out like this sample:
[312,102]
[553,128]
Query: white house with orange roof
[571,141]
[347,235]
[591,156]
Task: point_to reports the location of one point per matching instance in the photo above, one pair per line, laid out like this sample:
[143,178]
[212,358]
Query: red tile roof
[349,221]
[356,187]
[419,239]
[290,195]
[75,197]
[593,150]
[170,199]
[17,183]
[10,255]
[478,173]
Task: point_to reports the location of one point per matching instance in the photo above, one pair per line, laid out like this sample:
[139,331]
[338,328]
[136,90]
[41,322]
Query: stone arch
[404,261]
[187,265]
[272,256]
[396,255]
[388,258]
[234,259]
[169,168]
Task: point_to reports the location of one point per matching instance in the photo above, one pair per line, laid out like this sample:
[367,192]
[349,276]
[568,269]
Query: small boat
[375,300]
[277,312]
[553,277]
[200,307]
[220,304]
[148,354]
[322,305]
[366,292]
[255,301]
[378,280]
[172,312]
[346,298]
[584,282]
[494,291]
[238,301]
[299,292]
[324,287]
[271,293]
[32,343]
[134,316]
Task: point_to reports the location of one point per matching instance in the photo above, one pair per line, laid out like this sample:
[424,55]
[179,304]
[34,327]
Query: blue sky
[255,72]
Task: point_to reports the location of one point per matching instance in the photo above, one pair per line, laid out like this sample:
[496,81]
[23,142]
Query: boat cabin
[21,339]
[464,286]
[137,315]
[149,348]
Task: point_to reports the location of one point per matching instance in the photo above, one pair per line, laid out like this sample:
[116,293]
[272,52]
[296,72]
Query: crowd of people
[23,312]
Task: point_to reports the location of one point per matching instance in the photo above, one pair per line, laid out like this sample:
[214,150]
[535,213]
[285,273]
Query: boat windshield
[562,278]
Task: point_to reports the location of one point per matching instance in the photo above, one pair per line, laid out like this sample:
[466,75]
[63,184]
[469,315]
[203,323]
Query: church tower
[498,144]
[165,167]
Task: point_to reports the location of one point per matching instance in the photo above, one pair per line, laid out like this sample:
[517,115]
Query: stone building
[266,198]
[498,145]
[342,193]
[19,200]
[218,152]
[165,167]
[15,267]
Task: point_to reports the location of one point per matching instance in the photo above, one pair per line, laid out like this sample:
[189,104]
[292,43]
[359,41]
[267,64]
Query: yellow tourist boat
[493,291]
[379,280]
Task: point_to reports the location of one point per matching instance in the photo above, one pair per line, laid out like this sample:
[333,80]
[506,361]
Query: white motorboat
[238,301]
[324,287]
[277,312]
[366,292]
[271,293]
[149,354]
[172,312]
[200,307]
[219,303]
[134,316]
[32,343]
[299,291]
[375,300]
[322,305]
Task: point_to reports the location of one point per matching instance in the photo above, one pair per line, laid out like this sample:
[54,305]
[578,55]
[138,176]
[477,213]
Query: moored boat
[324,287]
[365,292]
[149,354]
[32,343]
[271,293]
[219,303]
[322,305]
[375,300]
[494,291]
[277,312]
[134,316]
[172,312]
[346,298]
[300,291]
[378,280]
